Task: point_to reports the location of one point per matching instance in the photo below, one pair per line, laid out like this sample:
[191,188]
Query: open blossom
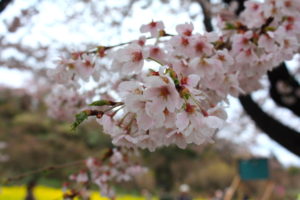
[129,60]
[157,53]
[288,7]
[225,58]
[177,138]
[185,29]
[162,95]
[207,68]
[82,177]
[190,81]
[254,11]
[201,46]
[62,73]
[136,102]
[242,42]
[84,66]
[197,125]
[153,27]
[181,46]
[267,42]
[246,56]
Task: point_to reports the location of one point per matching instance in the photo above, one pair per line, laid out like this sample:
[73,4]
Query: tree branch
[205,5]
[282,134]
[3,4]
[281,75]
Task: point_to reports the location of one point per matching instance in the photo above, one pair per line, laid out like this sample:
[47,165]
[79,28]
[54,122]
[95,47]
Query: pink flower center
[155,50]
[289,27]
[101,52]
[255,6]
[87,63]
[187,32]
[153,24]
[204,113]
[164,92]
[190,108]
[137,56]
[199,47]
[166,112]
[288,4]
[286,43]
[248,52]
[274,10]
[184,41]
[76,55]
[291,19]
[245,41]
[141,42]
[221,58]
[184,80]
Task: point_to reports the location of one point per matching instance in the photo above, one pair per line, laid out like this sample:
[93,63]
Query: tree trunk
[30,188]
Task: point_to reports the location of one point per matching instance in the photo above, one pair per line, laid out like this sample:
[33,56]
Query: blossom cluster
[180,98]
[115,167]
[162,109]
[63,102]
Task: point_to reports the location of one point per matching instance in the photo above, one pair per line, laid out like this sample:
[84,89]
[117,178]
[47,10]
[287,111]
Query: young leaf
[229,26]
[101,103]
[79,118]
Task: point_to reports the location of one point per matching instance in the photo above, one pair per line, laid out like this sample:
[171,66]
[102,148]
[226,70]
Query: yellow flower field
[47,193]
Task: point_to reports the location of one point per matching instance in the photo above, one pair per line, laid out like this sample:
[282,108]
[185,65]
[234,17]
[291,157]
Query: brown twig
[44,169]
[122,44]
[108,153]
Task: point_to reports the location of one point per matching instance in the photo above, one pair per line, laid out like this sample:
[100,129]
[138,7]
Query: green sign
[254,169]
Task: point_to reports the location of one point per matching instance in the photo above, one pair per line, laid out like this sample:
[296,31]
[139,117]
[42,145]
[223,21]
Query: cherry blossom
[185,29]
[153,27]
[113,167]
[178,98]
[129,60]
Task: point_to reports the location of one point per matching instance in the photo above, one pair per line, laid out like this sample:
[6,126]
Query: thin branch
[44,169]
[122,44]
[107,154]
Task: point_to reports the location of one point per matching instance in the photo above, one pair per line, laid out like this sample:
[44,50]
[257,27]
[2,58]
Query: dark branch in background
[3,4]
[206,14]
[287,98]
[241,6]
[282,134]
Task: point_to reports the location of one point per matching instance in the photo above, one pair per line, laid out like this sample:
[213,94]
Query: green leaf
[79,118]
[270,28]
[186,96]
[176,82]
[101,103]
[229,26]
